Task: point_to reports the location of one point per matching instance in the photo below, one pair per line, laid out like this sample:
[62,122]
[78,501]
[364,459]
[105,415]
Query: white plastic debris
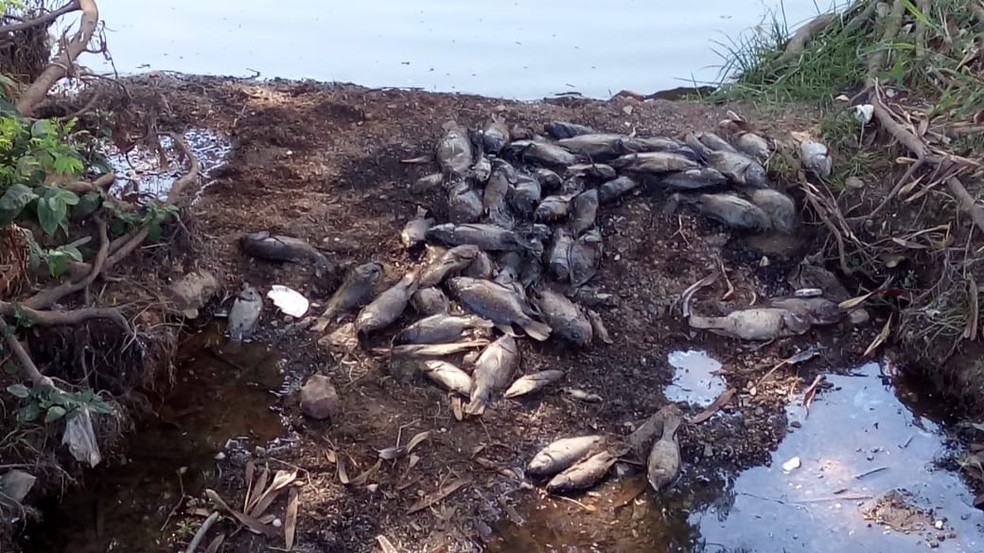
[863,113]
[81,439]
[792,464]
[16,484]
[289,301]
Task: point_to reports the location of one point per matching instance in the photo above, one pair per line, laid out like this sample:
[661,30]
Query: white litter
[792,464]
[81,439]
[863,113]
[289,301]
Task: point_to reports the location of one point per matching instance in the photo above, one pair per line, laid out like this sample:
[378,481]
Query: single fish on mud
[641,439]
[498,304]
[480,267]
[495,136]
[581,395]
[524,194]
[728,209]
[447,375]
[663,465]
[549,180]
[534,382]
[655,163]
[244,315]
[561,454]
[452,261]
[583,475]
[615,188]
[762,323]
[693,179]
[427,183]
[493,371]
[598,171]
[545,153]
[487,237]
[464,203]
[454,150]
[553,209]
[816,311]
[585,256]
[780,208]
[565,318]
[562,129]
[414,233]
[274,247]
[584,211]
[439,328]
[354,292]
[430,301]
[432,350]
[558,254]
[598,328]
[387,307]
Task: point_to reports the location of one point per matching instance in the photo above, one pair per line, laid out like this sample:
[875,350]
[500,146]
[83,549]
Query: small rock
[318,398]
[854,182]
[792,464]
[938,524]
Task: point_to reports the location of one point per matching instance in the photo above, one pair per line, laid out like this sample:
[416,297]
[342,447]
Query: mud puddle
[696,380]
[829,487]
[143,173]
[220,405]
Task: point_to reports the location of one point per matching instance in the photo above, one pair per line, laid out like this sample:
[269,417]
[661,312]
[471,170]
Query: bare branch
[45,19]
[27,364]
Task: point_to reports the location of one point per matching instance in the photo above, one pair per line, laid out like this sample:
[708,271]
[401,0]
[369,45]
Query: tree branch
[27,364]
[45,19]
[48,297]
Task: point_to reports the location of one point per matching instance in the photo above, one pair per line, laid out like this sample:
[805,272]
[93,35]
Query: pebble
[319,400]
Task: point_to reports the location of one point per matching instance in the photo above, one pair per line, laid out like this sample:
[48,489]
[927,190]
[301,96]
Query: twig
[47,298]
[27,364]
[73,317]
[202,530]
[966,201]
[45,19]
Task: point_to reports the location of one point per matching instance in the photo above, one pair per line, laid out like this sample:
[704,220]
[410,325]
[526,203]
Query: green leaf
[29,412]
[10,368]
[18,390]
[154,232]
[43,128]
[88,204]
[13,201]
[51,211]
[54,413]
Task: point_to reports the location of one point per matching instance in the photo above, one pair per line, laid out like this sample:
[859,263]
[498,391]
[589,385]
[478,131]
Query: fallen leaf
[886,331]
[290,517]
[392,452]
[249,522]
[416,440]
[342,473]
[281,480]
[854,302]
[811,391]
[386,545]
[439,495]
[457,408]
[215,544]
[970,329]
[627,110]
[330,456]
[419,159]
[720,402]
[254,496]
[361,479]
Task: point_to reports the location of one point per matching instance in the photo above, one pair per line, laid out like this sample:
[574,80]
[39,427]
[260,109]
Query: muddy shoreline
[322,163]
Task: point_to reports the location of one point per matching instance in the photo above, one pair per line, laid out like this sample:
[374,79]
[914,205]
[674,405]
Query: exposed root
[27,365]
[47,298]
[966,201]
[801,37]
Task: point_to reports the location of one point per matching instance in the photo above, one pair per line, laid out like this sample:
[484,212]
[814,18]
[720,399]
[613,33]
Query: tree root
[802,36]
[27,364]
[45,19]
[967,201]
[47,298]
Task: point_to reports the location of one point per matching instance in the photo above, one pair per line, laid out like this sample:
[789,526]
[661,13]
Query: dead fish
[598,329]
[598,171]
[693,179]
[546,153]
[549,180]
[454,150]
[530,276]
[565,318]
[585,256]
[497,303]
[663,466]
[464,203]
[581,395]
[753,145]
[738,168]
[387,307]
[274,247]
[558,254]
[482,169]
[816,158]
[485,236]
[561,454]
[709,140]
[780,208]
[493,372]
[534,382]
[244,315]
[439,328]
[730,210]
[763,323]
[553,209]
[494,199]
[447,375]
[415,231]
[430,301]
[596,146]
[452,261]
[591,297]
[354,292]
[495,136]
[427,183]
[480,267]
[562,129]
[583,475]
[343,338]
[434,350]
[641,439]
[814,310]
[524,194]
[612,189]
[510,267]
[655,163]
[584,210]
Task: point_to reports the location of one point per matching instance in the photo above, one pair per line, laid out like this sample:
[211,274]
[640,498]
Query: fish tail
[536,330]
[476,407]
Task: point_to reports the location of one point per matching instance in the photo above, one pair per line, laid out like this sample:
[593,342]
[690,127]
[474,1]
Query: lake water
[521,49]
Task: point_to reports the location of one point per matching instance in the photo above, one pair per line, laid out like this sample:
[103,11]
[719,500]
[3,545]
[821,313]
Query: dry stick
[46,298]
[101,184]
[803,35]
[968,202]
[862,18]
[66,58]
[71,317]
[25,359]
[43,19]
[200,534]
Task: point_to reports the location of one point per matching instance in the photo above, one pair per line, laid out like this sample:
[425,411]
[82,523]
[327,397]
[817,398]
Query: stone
[318,398]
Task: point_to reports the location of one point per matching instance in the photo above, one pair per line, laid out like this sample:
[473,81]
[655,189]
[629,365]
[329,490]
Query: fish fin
[537,330]
[476,407]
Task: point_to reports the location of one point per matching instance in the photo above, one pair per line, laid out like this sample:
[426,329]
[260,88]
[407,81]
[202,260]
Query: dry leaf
[258,487]
[330,456]
[250,471]
[432,498]
[419,159]
[811,391]
[416,440]
[854,302]
[392,452]
[386,545]
[281,480]
[215,544]
[290,517]
[627,110]
[886,331]
[457,408]
[249,522]
[970,329]
[720,402]
[361,479]
[342,473]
